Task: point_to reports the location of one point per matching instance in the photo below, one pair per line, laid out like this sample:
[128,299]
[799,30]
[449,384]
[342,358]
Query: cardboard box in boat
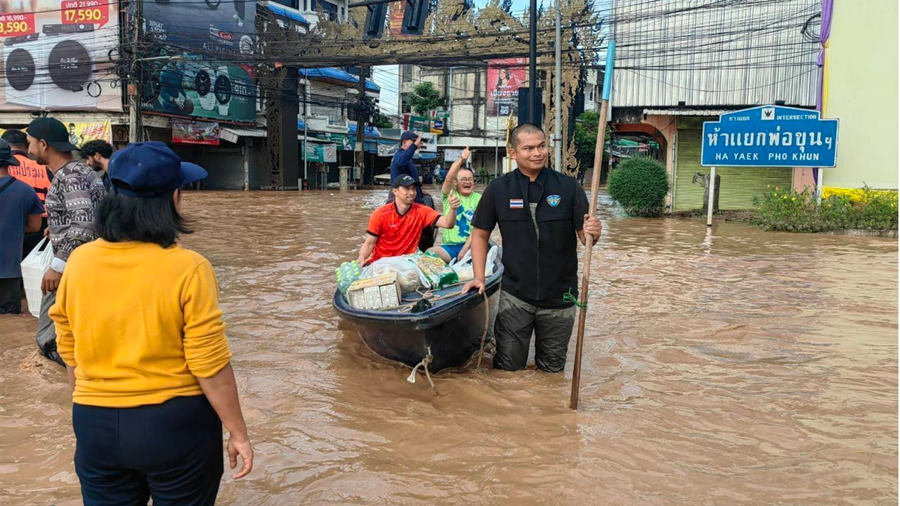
[380,292]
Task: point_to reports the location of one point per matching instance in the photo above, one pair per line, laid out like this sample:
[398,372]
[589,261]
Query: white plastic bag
[407,272]
[33,268]
[489,265]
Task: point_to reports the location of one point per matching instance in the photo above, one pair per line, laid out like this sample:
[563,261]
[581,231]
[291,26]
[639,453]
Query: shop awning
[281,10]
[686,112]
[232,134]
[339,75]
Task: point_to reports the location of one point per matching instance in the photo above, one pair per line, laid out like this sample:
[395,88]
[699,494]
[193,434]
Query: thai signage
[504,78]
[770,136]
[57,55]
[195,132]
[322,153]
[79,133]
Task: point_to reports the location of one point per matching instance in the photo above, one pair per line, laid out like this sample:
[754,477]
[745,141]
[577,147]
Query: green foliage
[586,138]
[786,210]
[382,121]
[424,98]
[640,185]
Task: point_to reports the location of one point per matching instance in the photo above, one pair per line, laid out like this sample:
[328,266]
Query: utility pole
[135,126]
[360,152]
[305,134]
[532,63]
[557,93]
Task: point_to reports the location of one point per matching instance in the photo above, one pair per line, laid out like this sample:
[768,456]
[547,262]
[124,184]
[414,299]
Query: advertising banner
[195,87]
[57,55]
[79,133]
[504,78]
[206,34]
[185,131]
[322,153]
[202,26]
[388,150]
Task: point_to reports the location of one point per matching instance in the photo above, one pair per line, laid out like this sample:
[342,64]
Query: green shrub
[640,186]
[790,211]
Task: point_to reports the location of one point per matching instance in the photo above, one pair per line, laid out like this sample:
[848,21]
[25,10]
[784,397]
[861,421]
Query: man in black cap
[71,204]
[395,228]
[21,211]
[402,162]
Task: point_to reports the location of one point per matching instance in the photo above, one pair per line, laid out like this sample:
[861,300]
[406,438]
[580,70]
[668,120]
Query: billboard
[202,26]
[395,20]
[195,87]
[205,34]
[504,78]
[57,55]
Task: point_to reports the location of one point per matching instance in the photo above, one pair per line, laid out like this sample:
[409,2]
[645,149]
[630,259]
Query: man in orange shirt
[34,174]
[395,228]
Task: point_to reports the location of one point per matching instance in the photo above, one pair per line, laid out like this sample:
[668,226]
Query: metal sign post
[712,193]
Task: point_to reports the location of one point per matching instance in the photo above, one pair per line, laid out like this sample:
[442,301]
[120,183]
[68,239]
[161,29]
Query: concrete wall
[862,93]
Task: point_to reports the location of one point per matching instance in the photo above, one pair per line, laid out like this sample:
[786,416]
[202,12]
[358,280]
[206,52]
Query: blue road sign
[770,136]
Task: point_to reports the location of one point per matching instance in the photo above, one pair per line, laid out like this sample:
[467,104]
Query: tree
[382,121]
[640,185]
[424,98]
[586,138]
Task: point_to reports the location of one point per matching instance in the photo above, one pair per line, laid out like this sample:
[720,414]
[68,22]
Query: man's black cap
[405,180]
[6,156]
[53,131]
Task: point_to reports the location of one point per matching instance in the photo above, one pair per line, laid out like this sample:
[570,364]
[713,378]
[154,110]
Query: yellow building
[860,89]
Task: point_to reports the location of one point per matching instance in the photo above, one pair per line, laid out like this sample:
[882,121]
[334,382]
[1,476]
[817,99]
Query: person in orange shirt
[395,228]
[32,173]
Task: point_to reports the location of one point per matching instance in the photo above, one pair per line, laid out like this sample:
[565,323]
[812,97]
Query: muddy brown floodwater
[730,366]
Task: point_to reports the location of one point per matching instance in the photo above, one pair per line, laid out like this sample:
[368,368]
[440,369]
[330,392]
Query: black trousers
[517,321]
[171,452]
[10,295]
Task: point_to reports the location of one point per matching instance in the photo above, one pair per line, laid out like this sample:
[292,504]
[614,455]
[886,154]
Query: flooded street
[725,367]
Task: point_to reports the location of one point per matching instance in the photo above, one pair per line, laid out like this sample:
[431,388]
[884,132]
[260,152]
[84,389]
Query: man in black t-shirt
[541,212]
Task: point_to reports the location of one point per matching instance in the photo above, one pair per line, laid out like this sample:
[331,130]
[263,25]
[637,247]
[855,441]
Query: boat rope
[424,365]
[487,321]
[570,298]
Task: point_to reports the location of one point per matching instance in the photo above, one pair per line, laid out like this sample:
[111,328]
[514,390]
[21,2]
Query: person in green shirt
[459,184]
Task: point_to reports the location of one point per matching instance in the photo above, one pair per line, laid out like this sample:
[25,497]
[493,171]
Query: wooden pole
[595,187]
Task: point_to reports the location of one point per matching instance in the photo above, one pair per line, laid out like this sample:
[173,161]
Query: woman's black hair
[154,220]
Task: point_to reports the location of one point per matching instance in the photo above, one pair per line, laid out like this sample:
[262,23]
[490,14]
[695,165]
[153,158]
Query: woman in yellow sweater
[140,330]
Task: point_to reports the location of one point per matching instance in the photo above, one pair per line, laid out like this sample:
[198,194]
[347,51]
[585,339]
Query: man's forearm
[479,253]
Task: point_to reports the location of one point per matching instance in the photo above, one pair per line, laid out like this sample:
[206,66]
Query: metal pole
[532,63]
[557,93]
[497,147]
[712,194]
[305,132]
[135,125]
[359,152]
[450,100]
[820,185]
[595,187]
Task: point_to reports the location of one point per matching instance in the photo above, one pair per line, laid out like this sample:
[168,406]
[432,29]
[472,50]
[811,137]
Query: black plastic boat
[451,328]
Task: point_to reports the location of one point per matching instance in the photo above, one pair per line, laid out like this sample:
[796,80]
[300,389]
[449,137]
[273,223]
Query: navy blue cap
[404,180]
[150,169]
[6,156]
[408,135]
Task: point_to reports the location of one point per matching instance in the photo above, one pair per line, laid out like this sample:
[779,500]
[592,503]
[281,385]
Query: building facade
[682,62]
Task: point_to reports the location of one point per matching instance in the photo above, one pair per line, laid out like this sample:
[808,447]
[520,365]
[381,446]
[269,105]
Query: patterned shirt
[72,203]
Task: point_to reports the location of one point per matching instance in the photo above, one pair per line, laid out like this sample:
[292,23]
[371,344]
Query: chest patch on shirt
[516,203]
[553,200]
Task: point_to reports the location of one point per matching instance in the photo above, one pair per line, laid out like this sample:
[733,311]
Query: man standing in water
[540,212]
[402,163]
[72,201]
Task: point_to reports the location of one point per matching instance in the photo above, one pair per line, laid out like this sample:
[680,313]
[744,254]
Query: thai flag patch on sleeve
[516,203]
